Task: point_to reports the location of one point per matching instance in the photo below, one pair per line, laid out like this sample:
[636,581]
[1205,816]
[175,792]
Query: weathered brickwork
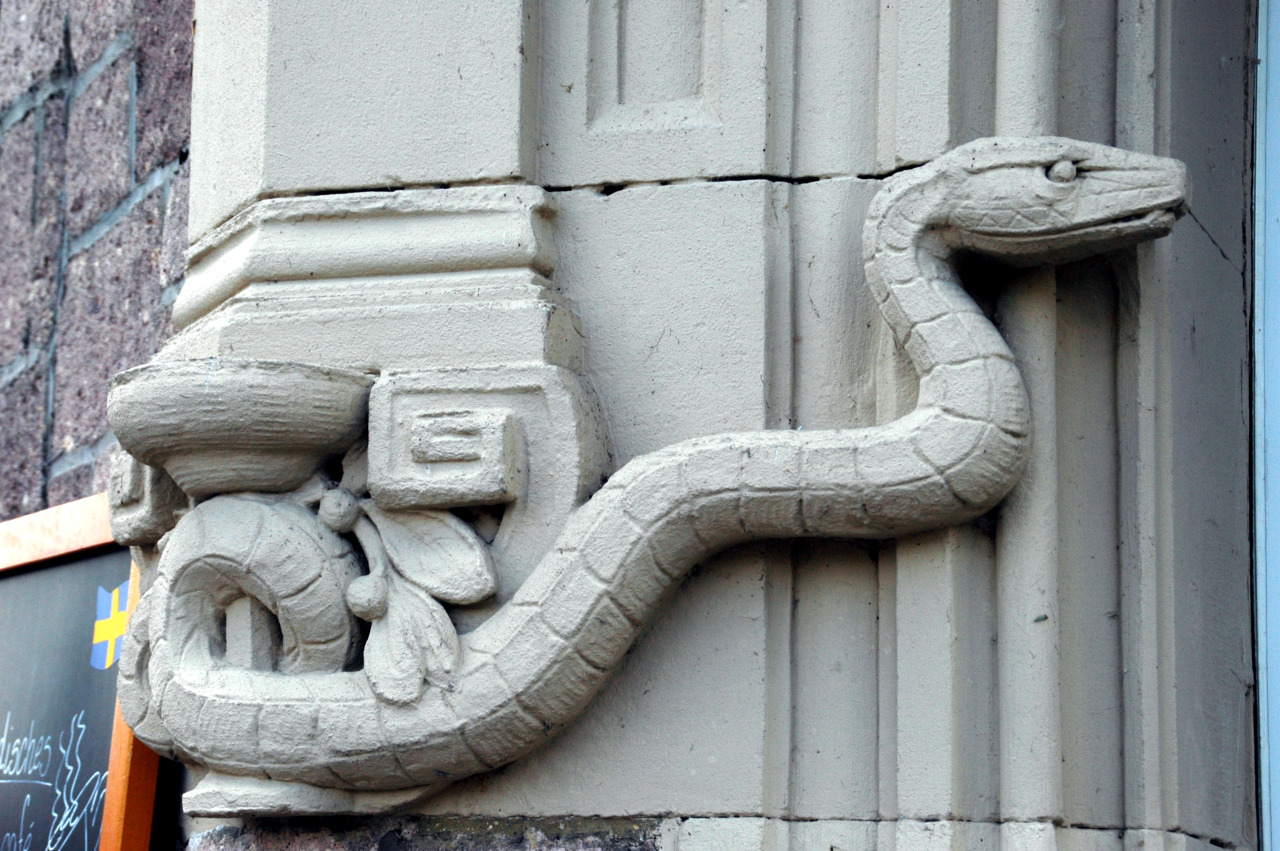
[95,105]
[440,834]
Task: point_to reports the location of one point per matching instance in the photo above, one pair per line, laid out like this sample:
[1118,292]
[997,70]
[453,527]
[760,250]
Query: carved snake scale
[534,665]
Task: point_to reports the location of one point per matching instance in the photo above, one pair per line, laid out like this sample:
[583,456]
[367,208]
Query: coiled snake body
[535,664]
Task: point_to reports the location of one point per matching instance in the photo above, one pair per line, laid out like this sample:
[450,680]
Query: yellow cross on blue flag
[108,629]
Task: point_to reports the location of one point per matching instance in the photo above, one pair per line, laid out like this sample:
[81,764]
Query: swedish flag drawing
[108,629]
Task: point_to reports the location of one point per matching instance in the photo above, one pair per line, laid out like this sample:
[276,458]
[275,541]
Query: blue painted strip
[1266,341]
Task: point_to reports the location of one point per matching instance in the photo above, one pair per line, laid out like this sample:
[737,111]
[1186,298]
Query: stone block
[658,737]
[714,468]
[975,483]
[111,319]
[365,772]
[22,402]
[717,519]
[71,485]
[626,262]
[30,44]
[481,689]
[173,239]
[720,834]
[956,438]
[162,39]
[93,24]
[31,159]
[51,167]
[350,729]
[22,319]
[278,77]
[964,390]
[98,174]
[541,582]
[777,513]
[776,468]
[421,724]
[447,754]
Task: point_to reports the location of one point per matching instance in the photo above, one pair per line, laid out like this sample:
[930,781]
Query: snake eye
[1063,171]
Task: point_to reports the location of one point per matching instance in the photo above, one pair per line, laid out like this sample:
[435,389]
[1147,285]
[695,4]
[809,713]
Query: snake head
[1051,200]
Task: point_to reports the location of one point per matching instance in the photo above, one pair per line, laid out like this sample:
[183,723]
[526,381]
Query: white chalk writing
[76,804]
[77,795]
[20,839]
[24,756]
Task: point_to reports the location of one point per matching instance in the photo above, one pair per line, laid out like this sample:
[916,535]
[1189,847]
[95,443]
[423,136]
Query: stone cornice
[351,235]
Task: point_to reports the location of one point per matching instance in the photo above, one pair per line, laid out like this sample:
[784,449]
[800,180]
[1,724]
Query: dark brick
[30,184]
[98,174]
[21,317]
[47,231]
[173,253]
[111,319]
[446,833]
[163,33]
[21,442]
[31,175]
[70,486]
[83,481]
[31,41]
[94,23]
[102,469]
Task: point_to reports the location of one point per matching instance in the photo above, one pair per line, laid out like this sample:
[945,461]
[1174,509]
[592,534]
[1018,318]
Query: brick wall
[94,124]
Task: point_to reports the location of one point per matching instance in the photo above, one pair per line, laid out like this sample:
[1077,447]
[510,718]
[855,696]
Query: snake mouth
[1065,244]
[1138,220]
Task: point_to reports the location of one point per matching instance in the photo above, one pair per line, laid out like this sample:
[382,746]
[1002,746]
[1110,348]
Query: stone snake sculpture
[533,666]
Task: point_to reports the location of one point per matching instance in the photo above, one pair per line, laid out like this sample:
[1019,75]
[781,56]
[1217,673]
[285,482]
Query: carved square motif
[424,458]
[144,501]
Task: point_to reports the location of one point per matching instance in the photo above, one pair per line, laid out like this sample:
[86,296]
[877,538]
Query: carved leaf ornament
[415,559]
[436,552]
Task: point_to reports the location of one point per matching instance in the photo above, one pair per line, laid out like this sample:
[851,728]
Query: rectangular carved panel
[652,65]
[655,90]
[425,453]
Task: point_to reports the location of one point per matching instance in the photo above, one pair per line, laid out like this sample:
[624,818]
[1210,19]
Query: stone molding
[364,234]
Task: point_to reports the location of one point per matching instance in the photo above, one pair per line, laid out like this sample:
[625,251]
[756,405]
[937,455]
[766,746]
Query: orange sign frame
[132,770]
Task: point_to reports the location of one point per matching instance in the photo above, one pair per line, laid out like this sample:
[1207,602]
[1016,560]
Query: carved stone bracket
[387,460]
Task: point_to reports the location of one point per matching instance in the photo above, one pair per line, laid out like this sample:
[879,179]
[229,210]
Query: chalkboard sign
[72,776]
[60,631]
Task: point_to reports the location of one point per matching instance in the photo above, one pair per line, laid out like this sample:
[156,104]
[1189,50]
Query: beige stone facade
[549,332]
